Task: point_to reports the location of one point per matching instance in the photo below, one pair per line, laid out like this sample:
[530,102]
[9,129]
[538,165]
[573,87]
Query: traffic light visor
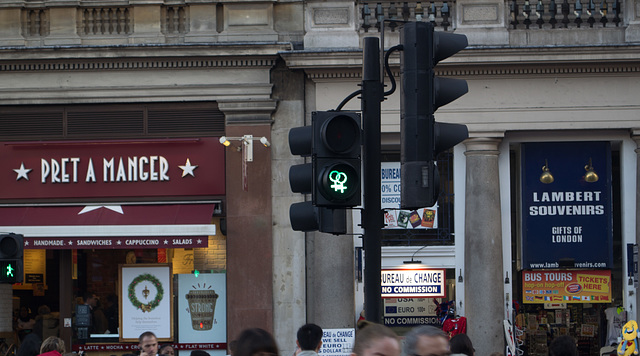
[9,245]
[341,134]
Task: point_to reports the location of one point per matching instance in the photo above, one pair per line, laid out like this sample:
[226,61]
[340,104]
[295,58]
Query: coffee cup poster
[202,310]
[145,298]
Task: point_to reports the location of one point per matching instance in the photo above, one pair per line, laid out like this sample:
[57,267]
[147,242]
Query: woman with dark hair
[256,342]
[461,344]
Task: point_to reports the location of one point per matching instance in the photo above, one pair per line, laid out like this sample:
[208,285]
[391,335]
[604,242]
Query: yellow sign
[182,261]
[567,286]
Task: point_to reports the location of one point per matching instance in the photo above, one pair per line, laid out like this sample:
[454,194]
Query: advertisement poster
[202,312]
[394,217]
[410,312]
[145,297]
[566,205]
[413,283]
[337,342]
[570,286]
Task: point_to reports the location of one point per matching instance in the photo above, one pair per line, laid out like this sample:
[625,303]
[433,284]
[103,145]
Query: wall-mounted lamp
[546,177]
[590,176]
[224,141]
[506,279]
[460,280]
[414,262]
[246,146]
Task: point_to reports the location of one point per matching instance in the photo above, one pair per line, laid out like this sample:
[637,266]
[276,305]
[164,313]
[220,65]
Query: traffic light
[336,159]
[11,258]
[333,175]
[422,93]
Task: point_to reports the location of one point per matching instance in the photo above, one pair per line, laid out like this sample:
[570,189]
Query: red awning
[111,226]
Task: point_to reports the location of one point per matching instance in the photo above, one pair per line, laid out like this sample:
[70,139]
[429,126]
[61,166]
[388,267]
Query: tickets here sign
[567,286]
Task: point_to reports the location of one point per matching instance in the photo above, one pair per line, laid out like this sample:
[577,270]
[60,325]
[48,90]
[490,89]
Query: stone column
[249,219]
[636,137]
[484,283]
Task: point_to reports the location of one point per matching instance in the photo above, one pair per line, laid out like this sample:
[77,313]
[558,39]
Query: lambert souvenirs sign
[111,169]
[570,286]
[413,283]
[566,205]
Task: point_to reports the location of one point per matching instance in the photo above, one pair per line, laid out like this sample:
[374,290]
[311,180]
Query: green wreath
[132,292]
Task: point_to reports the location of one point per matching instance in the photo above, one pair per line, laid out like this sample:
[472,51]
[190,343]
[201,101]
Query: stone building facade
[541,71]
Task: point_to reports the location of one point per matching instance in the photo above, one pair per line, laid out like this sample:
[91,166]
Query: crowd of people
[371,339]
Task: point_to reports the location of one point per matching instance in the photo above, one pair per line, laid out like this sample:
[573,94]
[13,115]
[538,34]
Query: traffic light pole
[372,216]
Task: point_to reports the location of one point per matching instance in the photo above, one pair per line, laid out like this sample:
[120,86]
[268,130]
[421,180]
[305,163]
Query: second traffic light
[421,94]
[11,258]
[336,159]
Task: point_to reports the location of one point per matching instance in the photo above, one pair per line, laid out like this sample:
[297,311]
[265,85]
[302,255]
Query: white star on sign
[22,172]
[88,208]
[188,169]
[166,242]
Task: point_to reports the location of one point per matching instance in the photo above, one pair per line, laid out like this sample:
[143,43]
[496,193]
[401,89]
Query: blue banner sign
[566,205]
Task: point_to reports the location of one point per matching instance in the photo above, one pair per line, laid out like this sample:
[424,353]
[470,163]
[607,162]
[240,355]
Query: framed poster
[202,313]
[145,301]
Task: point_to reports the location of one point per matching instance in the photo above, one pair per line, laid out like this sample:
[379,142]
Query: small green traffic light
[9,270]
[339,182]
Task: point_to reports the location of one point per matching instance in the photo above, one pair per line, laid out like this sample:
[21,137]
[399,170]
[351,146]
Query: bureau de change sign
[413,283]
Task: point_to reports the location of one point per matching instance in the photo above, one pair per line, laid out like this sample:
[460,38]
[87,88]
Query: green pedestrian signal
[339,182]
[336,158]
[11,258]
[10,270]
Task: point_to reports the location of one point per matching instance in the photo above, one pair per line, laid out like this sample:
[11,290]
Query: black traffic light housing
[336,159]
[333,142]
[11,258]
[422,139]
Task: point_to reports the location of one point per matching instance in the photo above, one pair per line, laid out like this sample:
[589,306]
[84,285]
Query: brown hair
[370,332]
[52,343]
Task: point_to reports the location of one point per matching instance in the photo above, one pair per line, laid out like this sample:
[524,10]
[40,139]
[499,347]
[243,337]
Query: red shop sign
[95,170]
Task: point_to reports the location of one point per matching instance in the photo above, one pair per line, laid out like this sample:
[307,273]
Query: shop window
[444,233]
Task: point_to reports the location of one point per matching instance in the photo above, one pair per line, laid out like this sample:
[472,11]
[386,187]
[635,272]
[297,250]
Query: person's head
[461,344]
[309,337]
[564,345]
[256,342]
[426,340]
[44,310]
[148,343]
[167,350]
[52,343]
[24,312]
[376,339]
[90,298]
[199,353]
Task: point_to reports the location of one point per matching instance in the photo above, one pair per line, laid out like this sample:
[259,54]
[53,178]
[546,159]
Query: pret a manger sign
[142,168]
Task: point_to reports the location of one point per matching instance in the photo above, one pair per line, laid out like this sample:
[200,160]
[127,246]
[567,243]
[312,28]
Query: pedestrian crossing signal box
[9,271]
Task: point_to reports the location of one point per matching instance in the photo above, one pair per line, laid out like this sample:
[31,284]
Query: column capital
[482,146]
[241,112]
